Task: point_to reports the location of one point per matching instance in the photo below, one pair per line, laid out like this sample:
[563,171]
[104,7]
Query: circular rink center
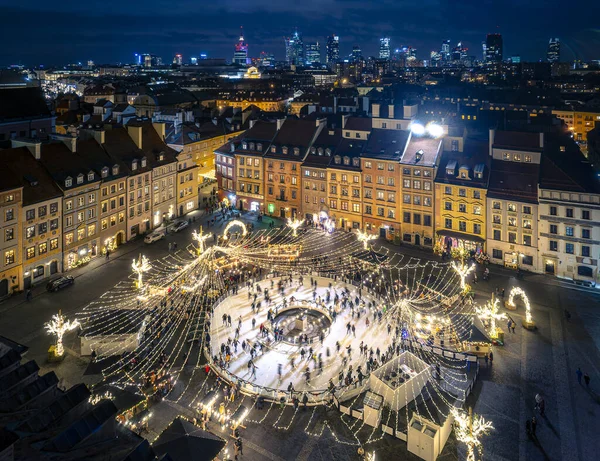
[276,364]
[301,325]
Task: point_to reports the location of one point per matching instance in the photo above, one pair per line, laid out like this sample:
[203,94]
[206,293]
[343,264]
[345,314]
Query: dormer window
[80,179]
[328,152]
[463,172]
[313,150]
[451,168]
[244,146]
[356,162]
[115,170]
[105,172]
[134,165]
[284,150]
[161,157]
[296,151]
[251,146]
[259,147]
[320,151]
[273,149]
[419,155]
[337,159]
[346,160]
[144,162]
[68,182]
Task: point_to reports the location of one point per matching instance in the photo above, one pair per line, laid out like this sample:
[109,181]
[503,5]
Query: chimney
[375,110]
[70,142]
[34,146]
[542,140]
[160,128]
[280,123]
[135,133]
[492,134]
[99,136]
[232,147]
[252,122]
[390,111]
[344,120]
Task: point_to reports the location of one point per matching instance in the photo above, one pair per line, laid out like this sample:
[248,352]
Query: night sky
[35,32]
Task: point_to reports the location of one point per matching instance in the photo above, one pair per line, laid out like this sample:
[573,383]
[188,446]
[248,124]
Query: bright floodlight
[417,129]
[435,130]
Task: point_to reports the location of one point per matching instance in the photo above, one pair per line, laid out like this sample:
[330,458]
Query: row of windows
[315,174]
[249,189]
[42,228]
[516,157]
[243,173]
[585,250]
[104,206]
[344,178]
[416,219]
[132,182]
[41,211]
[462,208]
[80,201]
[512,207]
[381,166]
[344,206]
[42,248]
[512,237]
[112,220]
[249,161]
[570,213]
[281,165]
[526,260]
[416,184]
[139,209]
[81,234]
[462,226]
[463,192]
[113,188]
[570,231]
[416,200]
[91,214]
[511,221]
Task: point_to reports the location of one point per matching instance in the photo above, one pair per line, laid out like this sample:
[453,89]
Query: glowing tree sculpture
[517,291]
[469,429]
[364,237]
[59,326]
[463,270]
[294,224]
[200,237]
[139,267]
[490,312]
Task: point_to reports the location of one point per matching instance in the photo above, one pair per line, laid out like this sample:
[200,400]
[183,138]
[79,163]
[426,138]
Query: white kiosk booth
[427,439]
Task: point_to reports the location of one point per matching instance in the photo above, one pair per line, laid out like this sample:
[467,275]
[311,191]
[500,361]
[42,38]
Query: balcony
[281,199]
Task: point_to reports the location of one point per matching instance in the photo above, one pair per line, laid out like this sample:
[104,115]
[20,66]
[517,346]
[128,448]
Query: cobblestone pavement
[542,361]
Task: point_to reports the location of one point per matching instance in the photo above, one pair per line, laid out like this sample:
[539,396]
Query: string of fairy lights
[157,322]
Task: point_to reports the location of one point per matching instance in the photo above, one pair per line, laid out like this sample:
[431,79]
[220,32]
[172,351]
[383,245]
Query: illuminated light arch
[234,223]
[518,292]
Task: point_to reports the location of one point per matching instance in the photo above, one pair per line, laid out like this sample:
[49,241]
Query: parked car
[60,282]
[178,226]
[154,237]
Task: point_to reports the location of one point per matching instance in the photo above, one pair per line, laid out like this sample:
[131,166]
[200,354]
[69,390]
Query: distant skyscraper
[483,51]
[333,49]
[313,53]
[356,53]
[294,50]
[240,55]
[178,60]
[493,48]
[553,53]
[445,52]
[384,48]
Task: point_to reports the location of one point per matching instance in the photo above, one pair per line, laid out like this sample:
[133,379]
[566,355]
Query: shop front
[447,239]
[82,255]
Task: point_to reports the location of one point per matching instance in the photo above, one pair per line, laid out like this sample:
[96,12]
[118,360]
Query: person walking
[486,358]
[29,295]
[491,358]
[579,374]
[533,426]
[586,378]
[513,326]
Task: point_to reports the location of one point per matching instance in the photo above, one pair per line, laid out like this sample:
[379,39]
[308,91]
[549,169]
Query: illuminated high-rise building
[333,49]
[294,49]
[493,48]
[553,53]
[356,53]
[178,59]
[240,55]
[445,52]
[384,48]
[313,53]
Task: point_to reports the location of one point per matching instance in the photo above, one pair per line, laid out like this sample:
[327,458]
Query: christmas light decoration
[234,223]
[490,312]
[294,224]
[139,267]
[518,292]
[200,237]
[463,270]
[59,326]
[364,238]
[469,429]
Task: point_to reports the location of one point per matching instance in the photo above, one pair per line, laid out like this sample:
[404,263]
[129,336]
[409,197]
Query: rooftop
[386,144]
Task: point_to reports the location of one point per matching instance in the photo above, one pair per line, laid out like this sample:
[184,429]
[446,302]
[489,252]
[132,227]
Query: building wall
[314,192]
[250,182]
[10,241]
[578,122]
[569,234]
[344,191]
[417,204]
[113,213]
[187,184]
[283,193]
[139,203]
[225,170]
[472,216]
[267,106]
[42,241]
[26,129]
[381,207]
[163,193]
[514,244]
[81,242]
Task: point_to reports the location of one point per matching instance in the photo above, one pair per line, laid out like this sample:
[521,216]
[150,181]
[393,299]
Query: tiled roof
[422,151]
[475,157]
[386,144]
[513,180]
[517,140]
[327,139]
[359,124]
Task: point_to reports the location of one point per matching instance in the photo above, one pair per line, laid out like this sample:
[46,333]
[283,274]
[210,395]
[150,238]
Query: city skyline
[78,33]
